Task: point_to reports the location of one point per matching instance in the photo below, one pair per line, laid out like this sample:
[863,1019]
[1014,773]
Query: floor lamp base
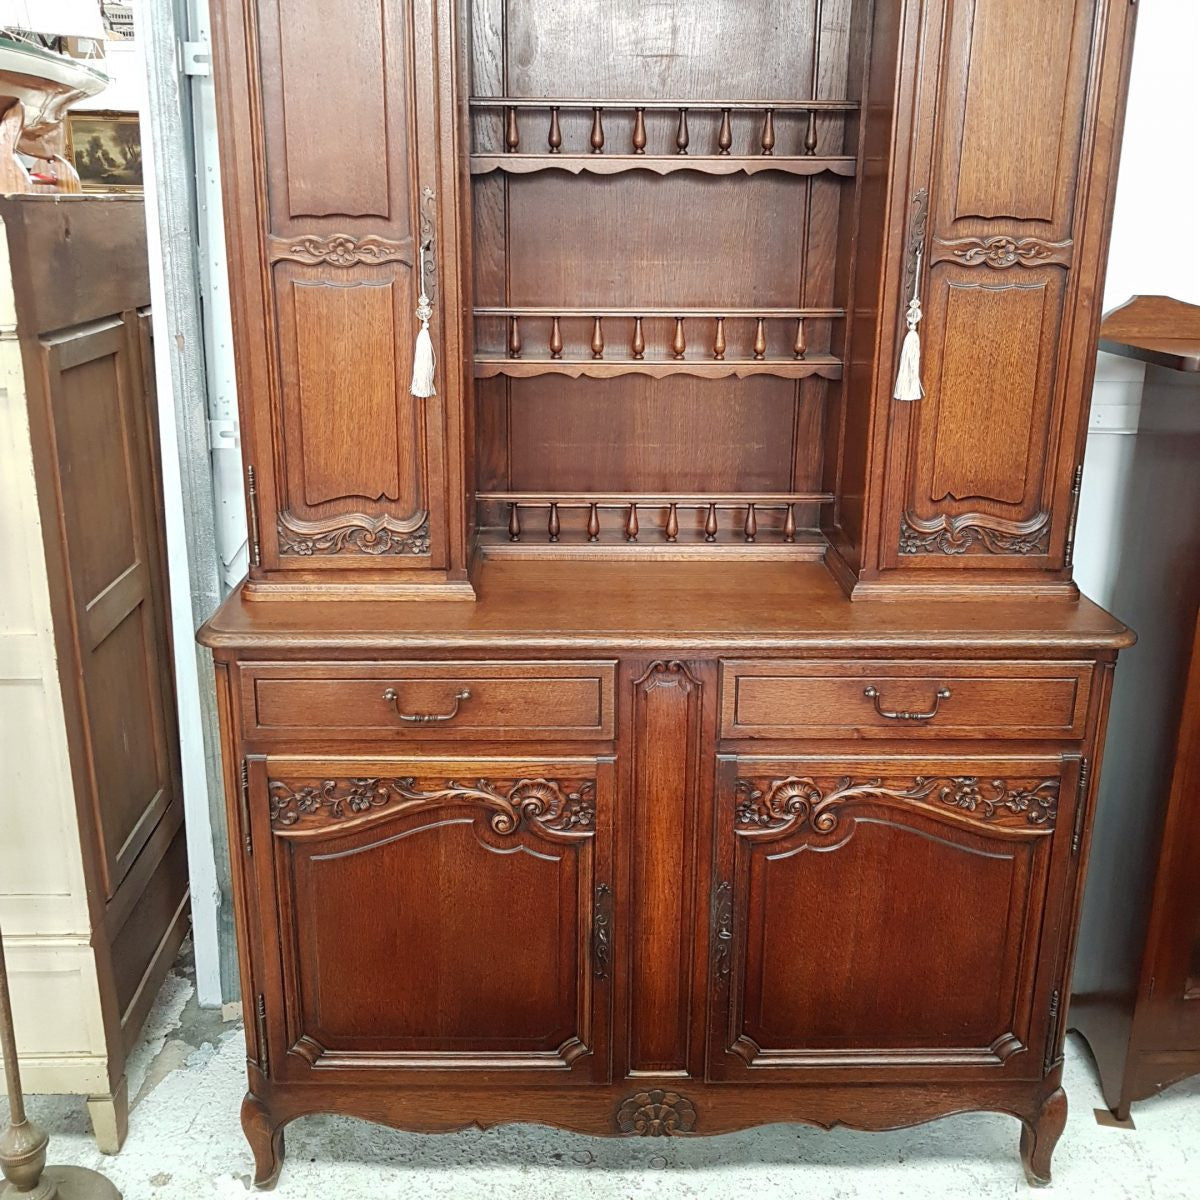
[65,1183]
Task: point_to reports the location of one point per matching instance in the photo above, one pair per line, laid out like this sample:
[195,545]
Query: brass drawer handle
[392,697]
[872,693]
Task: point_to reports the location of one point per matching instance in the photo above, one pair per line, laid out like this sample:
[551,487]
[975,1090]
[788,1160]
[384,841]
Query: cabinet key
[392,697]
[872,693]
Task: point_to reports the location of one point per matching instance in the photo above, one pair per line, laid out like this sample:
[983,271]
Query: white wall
[1155,250]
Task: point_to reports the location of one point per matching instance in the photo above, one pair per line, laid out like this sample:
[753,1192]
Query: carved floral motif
[1000,253]
[341,250]
[963,535]
[788,804]
[353,539]
[541,802]
[656,1113]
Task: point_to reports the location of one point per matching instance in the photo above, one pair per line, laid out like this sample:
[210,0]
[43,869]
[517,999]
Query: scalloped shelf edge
[706,164]
[489,368]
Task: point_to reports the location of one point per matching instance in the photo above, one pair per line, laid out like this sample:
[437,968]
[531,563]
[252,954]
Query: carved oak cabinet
[659,703]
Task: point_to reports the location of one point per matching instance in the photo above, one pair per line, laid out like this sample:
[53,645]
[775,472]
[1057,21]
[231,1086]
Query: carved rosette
[656,1113]
[357,538]
[784,805]
[541,803]
[1000,253]
[965,535]
[340,250]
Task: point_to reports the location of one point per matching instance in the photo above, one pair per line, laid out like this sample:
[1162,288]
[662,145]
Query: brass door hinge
[1076,488]
[722,934]
[260,1017]
[1081,798]
[602,912]
[1053,1058]
[247,840]
[252,503]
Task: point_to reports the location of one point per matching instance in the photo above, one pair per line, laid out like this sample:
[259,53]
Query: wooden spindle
[554,140]
[719,340]
[597,339]
[710,524]
[639,340]
[514,337]
[750,528]
[512,134]
[789,524]
[639,131]
[556,342]
[760,340]
[514,523]
[810,134]
[597,139]
[681,135]
[631,524]
[673,523]
[553,527]
[800,346]
[725,137]
[593,525]
[768,132]
[678,343]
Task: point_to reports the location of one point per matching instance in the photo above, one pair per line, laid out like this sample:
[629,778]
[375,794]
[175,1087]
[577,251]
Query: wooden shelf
[821,365]
[663,164]
[695,499]
[809,545]
[713,521]
[628,105]
[646,312]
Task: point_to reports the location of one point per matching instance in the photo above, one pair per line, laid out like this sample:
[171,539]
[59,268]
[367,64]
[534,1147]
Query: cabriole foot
[1040,1135]
[265,1136]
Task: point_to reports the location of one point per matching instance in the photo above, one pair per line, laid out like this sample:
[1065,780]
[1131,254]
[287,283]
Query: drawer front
[457,701]
[772,699]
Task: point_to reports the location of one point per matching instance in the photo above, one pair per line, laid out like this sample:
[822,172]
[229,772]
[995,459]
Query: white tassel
[908,376]
[423,361]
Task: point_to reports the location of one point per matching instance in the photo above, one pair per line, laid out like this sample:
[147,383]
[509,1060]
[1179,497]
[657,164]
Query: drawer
[516,701]
[826,699]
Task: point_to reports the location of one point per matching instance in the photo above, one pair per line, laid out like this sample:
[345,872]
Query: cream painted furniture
[93,887]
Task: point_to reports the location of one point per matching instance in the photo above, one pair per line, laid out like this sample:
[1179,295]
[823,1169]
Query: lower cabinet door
[434,915]
[889,915]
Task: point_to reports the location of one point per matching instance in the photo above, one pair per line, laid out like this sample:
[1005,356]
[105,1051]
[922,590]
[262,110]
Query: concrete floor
[188,1076]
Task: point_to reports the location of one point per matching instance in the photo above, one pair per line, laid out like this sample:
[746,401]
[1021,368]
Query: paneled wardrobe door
[1004,248]
[340,245]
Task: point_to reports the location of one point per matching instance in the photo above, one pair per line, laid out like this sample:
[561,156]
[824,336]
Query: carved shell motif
[656,1113]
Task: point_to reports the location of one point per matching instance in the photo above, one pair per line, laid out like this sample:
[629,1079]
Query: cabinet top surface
[700,608]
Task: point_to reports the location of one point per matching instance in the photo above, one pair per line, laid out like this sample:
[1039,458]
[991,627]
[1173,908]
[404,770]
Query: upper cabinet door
[330,145]
[1011,181]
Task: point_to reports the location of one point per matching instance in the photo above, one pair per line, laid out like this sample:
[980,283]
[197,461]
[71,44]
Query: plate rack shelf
[608,136]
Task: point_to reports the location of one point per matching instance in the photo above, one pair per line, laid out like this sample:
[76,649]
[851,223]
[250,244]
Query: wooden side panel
[402,940]
[104,478]
[1171,974]
[663,814]
[82,289]
[1012,230]
[888,914]
[326,235]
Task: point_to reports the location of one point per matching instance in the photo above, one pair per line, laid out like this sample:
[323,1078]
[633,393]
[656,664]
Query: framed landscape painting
[106,148]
